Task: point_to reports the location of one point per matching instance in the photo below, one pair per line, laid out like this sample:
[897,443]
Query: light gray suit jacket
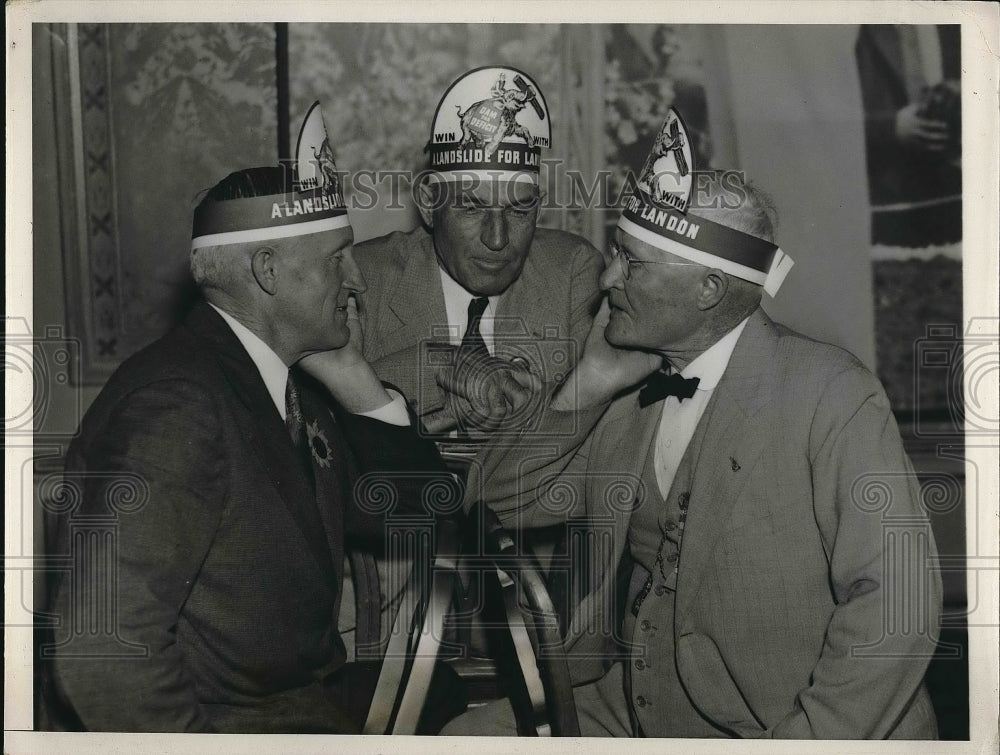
[544,316]
[806,605]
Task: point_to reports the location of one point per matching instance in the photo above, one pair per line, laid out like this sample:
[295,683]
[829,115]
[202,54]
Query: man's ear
[714,286]
[265,268]
[426,201]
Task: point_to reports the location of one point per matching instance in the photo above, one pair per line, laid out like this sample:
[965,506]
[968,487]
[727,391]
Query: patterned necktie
[293,412]
[660,385]
[473,343]
[296,426]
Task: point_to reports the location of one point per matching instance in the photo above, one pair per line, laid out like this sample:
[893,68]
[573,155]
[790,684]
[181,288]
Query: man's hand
[346,373]
[913,130]
[348,355]
[604,370]
[485,394]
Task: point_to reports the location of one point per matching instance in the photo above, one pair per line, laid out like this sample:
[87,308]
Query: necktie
[473,349]
[472,342]
[660,385]
[296,425]
[293,412]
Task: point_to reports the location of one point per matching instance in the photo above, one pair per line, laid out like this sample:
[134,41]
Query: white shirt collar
[272,370]
[710,365]
[456,304]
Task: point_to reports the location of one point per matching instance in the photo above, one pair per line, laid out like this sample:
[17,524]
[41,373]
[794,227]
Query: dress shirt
[274,372]
[679,419]
[456,304]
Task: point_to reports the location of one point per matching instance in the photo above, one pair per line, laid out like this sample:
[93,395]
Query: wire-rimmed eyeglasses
[627,261]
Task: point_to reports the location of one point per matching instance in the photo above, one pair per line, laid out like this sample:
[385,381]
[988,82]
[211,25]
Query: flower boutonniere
[319,446]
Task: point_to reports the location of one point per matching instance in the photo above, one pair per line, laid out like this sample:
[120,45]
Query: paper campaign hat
[314,204]
[657,214]
[491,123]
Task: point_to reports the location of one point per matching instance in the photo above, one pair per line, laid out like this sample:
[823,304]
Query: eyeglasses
[627,261]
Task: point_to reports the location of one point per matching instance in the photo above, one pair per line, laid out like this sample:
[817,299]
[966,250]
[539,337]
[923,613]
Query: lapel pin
[736,465]
[318,444]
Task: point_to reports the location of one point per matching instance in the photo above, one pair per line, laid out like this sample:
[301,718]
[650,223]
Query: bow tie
[660,385]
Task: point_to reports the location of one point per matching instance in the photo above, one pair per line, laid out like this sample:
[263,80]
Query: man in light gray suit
[756,493]
[481,276]
[478,298]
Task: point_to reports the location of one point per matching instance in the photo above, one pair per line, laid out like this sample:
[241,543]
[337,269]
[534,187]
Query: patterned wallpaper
[165,111]
[194,103]
[168,109]
[380,83]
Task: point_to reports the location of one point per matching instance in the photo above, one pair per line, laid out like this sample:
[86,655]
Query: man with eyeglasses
[768,569]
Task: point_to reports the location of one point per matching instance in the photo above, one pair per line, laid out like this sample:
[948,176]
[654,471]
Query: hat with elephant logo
[491,123]
[312,202]
[657,213]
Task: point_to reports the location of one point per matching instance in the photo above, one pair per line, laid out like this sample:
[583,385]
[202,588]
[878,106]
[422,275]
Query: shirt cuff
[393,413]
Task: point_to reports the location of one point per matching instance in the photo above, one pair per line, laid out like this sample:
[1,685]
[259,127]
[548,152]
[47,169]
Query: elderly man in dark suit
[224,578]
[756,493]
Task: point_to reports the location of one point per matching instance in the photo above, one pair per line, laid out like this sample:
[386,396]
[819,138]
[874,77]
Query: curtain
[796,127]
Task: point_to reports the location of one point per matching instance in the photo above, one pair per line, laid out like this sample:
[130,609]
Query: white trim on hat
[780,266]
[273,232]
[694,255]
[781,263]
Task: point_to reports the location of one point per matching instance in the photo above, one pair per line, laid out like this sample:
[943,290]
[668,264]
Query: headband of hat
[656,214]
[490,124]
[315,203]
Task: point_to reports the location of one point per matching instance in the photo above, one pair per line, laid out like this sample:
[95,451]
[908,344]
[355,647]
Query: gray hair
[222,268]
[726,198]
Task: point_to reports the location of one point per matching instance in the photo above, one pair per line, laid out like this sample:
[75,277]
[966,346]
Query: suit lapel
[724,449]
[621,444]
[263,428]
[525,311]
[415,310]
[631,430]
[636,440]
[333,467]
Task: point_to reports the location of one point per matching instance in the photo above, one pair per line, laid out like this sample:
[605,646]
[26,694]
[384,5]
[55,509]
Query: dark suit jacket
[792,595]
[210,603]
[544,316]
[896,173]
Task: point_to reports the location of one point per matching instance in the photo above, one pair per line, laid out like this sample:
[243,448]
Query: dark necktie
[296,425]
[473,343]
[473,349]
[293,412]
[660,385]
